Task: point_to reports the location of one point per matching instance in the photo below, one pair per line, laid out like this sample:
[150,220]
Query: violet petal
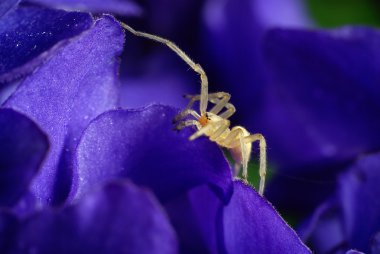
[324,230]
[325,94]
[7,5]
[8,229]
[121,7]
[359,195]
[354,252]
[23,147]
[73,87]
[118,218]
[351,218]
[375,246]
[27,32]
[142,145]
[278,13]
[252,225]
[195,215]
[232,36]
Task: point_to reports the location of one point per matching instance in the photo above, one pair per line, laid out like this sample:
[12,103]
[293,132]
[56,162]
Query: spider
[213,123]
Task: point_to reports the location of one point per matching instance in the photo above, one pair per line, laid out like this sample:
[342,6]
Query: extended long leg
[196,67]
[263,157]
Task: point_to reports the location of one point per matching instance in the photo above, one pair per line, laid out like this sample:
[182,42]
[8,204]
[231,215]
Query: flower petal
[355,252]
[359,191]
[278,13]
[354,214]
[196,216]
[118,218]
[7,5]
[73,87]
[121,7]
[251,225]
[142,145]
[27,32]
[23,147]
[325,94]
[233,39]
[8,228]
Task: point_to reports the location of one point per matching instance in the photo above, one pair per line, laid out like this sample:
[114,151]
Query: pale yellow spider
[238,140]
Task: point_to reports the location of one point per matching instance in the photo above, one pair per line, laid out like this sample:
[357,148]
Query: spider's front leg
[188,111]
[220,99]
[188,123]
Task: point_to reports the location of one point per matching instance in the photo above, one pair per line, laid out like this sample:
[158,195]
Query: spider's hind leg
[263,157]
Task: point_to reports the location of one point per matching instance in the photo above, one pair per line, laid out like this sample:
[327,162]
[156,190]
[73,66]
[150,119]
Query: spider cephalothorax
[214,123]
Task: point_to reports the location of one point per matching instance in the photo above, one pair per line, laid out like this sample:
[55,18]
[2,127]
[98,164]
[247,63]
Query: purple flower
[99,179]
[350,218]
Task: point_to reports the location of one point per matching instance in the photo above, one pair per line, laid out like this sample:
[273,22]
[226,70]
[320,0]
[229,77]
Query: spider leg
[240,149]
[187,123]
[185,113]
[218,126]
[196,67]
[263,157]
[200,132]
[221,102]
[220,99]
[232,139]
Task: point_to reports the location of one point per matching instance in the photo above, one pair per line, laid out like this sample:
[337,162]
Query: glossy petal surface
[23,147]
[121,7]
[28,36]
[142,145]
[251,225]
[119,218]
[69,90]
